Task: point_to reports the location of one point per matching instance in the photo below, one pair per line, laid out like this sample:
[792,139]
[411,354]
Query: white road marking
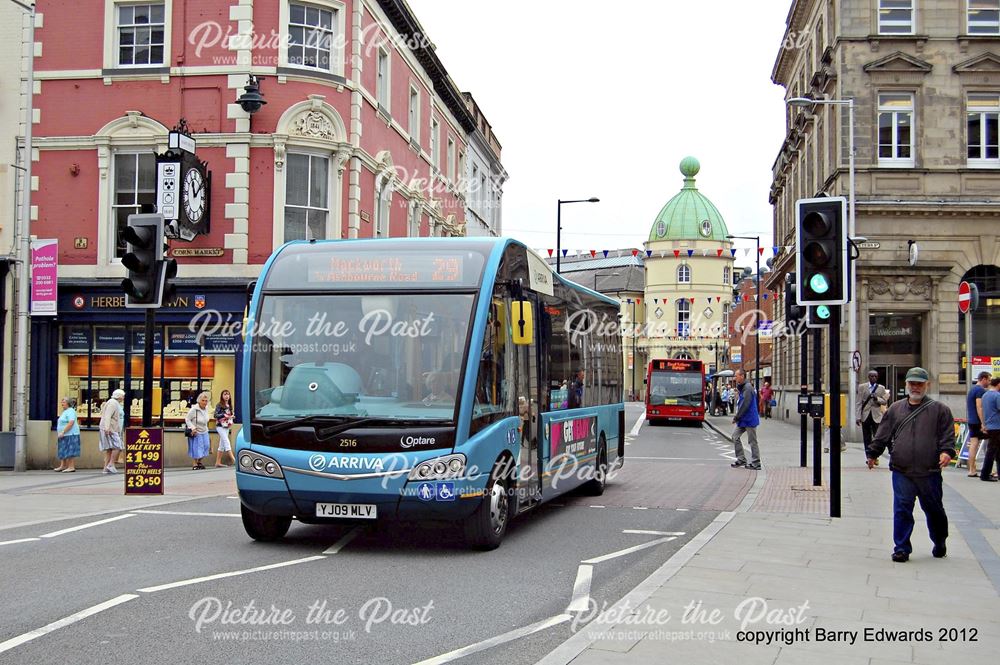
[597,506]
[638,424]
[630,550]
[682,510]
[20,540]
[209,578]
[499,639]
[581,589]
[639,508]
[655,533]
[62,623]
[342,543]
[686,459]
[53,534]
[185,514]
[233,497]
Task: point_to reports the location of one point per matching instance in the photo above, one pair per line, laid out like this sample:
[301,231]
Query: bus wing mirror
[523,320]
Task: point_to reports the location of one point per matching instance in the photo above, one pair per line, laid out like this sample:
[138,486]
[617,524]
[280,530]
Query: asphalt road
[404,596]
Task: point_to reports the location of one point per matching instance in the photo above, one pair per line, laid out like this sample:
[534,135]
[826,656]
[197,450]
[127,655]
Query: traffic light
[817,316]
[821,260]
[144,260]
[793,311]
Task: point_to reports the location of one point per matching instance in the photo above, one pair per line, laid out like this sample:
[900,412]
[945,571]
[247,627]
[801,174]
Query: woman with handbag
[196,429]
[223,421]
[766,395]
[111,429]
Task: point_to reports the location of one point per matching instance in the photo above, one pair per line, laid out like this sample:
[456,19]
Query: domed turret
[689,215]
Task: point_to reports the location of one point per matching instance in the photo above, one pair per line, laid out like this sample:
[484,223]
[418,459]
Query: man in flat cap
[920,435]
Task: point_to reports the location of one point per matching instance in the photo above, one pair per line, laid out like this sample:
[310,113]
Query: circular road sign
[964,297]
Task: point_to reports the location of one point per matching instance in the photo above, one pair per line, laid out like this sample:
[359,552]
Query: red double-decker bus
[675,391]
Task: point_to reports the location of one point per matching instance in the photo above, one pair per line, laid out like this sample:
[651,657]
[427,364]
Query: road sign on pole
[964,297]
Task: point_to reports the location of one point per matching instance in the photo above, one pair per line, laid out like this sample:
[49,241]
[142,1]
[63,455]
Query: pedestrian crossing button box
[816,405]
[803,405]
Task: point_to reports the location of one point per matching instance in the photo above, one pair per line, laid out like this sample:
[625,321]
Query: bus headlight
[439,468]
[259,465]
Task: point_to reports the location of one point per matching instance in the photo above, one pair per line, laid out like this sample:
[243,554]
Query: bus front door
[529,486]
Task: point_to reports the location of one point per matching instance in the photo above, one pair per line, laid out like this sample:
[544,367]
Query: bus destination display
[394,269]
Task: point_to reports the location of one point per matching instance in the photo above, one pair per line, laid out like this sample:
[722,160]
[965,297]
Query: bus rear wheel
[596,485]
[486,527]
[265,528]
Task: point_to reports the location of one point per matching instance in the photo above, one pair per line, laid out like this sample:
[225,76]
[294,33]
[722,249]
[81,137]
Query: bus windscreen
[675,389]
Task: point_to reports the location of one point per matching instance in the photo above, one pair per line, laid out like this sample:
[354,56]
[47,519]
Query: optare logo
[411,441]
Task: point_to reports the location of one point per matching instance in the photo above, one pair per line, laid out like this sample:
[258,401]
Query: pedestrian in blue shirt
[991,426]
[747,419]
[974,416]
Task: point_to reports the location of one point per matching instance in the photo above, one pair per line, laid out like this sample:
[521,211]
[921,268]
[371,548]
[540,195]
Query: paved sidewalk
[34,497]
[780,582]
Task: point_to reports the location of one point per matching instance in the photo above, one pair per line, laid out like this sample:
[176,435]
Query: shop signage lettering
[114,302]
[196,251]
[76,338]
[882,331]
[143,460]
[110,339]
[139,339]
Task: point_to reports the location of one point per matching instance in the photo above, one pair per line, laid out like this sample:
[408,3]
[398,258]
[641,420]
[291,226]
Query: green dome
[685,216]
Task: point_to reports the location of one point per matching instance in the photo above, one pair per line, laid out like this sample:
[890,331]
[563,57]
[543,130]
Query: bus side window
[492,383]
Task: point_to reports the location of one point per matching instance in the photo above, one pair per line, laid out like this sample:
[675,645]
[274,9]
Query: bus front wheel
[595,486]
[486,527]
[265,528]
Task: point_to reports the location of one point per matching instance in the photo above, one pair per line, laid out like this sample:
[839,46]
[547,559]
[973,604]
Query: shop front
[895,345]
[95,346]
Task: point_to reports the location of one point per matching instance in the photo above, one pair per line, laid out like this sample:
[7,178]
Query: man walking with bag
[746,420]
[871,397]
[920,435]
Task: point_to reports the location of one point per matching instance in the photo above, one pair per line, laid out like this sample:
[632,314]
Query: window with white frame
[895,129]
[727,277]
[984,17]
[435,143]
[982,117]
[895,17]
[683,274]
[307,196]
[382,209]
[475,197]
[461,166]
[140,31]
[312,35]
[683,355]
[725,320]
[382,78]
[135,187]
[414,115]
[683,317]
[451,158]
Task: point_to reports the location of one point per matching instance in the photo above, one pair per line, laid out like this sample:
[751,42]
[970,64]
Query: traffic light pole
[804,389]
[817,422]
[147,369]
[835,316]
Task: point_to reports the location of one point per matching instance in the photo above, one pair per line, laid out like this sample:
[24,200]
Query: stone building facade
[925,80]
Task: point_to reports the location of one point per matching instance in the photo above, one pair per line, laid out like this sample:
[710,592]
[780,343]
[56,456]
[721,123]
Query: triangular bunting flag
[635,252]
[692,300]
[629,301]
[593,253]
[760,250]
[550,253]
[565,252]
[709,300]
[718,298]
[746,252]
[605,253]
[690,252]
[765,296]
[775,249]
[638,301]
[677,253]
[649,253]
[704,252]
[789,248]
[733,252]
[718,252]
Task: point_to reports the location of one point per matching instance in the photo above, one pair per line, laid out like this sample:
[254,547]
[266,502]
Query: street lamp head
[801,102]
[593,199]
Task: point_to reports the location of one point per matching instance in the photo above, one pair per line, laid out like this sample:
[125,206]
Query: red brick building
[363,134]
[742,336]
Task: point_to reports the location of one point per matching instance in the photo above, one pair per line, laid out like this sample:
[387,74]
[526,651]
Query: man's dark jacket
[920,442]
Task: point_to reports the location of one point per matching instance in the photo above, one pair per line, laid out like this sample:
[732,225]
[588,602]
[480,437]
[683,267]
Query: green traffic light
[823,312]
[819,283]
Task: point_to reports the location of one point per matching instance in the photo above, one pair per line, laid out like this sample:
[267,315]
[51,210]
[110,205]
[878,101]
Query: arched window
[683,317]
[727,276]
[683,355]
[684,274]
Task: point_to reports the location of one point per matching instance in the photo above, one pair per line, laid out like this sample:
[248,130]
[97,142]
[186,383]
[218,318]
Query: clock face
[706,228]
[194,195]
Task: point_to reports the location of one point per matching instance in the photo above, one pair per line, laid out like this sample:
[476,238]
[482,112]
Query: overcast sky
[597,99]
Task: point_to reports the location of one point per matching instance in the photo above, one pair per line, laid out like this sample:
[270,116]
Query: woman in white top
[111,429]
[197,422]
[223,421]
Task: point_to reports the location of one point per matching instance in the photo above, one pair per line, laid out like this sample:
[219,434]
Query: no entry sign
[964,297]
